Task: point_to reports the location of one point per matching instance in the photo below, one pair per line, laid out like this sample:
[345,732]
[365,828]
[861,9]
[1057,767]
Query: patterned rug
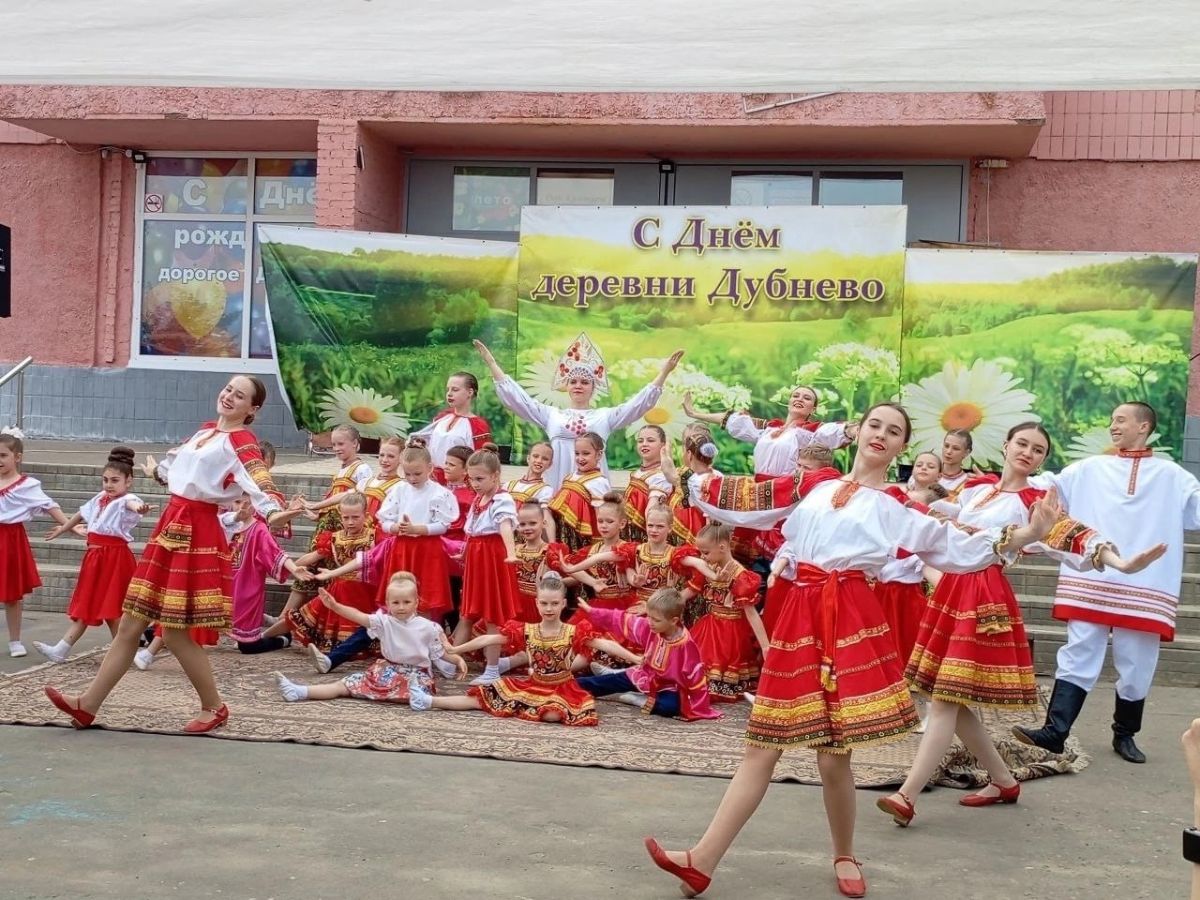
[160,701]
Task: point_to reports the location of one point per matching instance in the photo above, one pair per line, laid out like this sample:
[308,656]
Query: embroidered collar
[8,487]
[1135,454]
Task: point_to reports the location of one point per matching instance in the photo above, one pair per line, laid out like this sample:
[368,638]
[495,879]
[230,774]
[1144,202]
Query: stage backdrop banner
[993,338]
[368,326]
[760,298]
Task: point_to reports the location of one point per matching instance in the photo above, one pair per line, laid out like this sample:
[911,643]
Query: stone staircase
[1033,580]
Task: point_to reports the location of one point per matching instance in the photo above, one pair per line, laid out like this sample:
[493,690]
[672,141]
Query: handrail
[15,371]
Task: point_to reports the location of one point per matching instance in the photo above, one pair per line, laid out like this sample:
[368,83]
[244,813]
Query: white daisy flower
[984,399]
[667,414]
[1098,442]
[538,379]
[371,413]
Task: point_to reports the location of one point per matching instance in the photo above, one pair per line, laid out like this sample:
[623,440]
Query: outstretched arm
[691,412]
[760,630]
[484,640]
[346,612]
[63,526]
[488,360]
[615,650]
[668,367]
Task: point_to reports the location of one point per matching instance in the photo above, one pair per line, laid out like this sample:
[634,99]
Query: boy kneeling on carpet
[410,646]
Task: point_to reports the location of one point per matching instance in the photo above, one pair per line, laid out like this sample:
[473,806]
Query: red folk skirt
[387,681]
[425,557]
[903,607]
[108,566]
[315,623]
[535,698]
[18,570]
[831,679]
[489,588]
[773,602]
[729,651]
[184,578]
[971,647]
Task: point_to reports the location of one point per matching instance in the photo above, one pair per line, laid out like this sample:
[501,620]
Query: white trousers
[1135,657]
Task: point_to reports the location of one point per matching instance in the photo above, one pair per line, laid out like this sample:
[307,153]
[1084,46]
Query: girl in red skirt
[730,634]
[531,558]
[418,512]
[108,563]
[184,579]
[971,648]
[21,498]
[656,562]
[602,565]
[699,451]
[831,680]
[383,482]
[647,486]
[489,591]
[409,644]
[549,693]
[574,506]
[531,488]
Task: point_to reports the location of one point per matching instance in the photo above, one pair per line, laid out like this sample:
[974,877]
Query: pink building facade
[96,234]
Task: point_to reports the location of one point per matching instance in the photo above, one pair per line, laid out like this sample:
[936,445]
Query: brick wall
[336,173]
[1120,125]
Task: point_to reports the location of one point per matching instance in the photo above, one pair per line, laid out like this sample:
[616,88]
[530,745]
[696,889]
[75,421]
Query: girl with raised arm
[454,426]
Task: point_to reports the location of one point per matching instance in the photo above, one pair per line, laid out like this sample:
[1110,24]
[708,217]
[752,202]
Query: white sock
[445,667]
[490,674]
[601,669]
[320,661]
[504,664]
[290,690]
[632,698]
[418,698]
[55,653]
[16,648]
[143,659]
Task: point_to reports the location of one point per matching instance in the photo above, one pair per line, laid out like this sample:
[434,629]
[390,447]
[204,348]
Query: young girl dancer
[383,482]
[971,648]
[531,559]
[730,634]
[455,426]
[184,579]
[956,447]
[831,680]
[489,591]
[531,487]
[108,563]
[581,373]
[699,451]
[670,681]
[549,692]
[455,473]
[419,511]
[409,644]
[926,470]
[21,498]
[647,486]
[655,559]
[602,566]
[574,506]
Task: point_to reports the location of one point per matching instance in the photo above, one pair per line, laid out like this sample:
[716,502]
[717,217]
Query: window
[201,299]
[489,198]
[575,187]
[861,189]
[770,189]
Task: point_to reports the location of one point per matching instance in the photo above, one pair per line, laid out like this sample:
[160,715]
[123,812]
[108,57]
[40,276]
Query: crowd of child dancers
[825,600]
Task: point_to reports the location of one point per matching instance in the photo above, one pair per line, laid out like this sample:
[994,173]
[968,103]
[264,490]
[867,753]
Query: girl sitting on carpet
[549,693]
[408,642]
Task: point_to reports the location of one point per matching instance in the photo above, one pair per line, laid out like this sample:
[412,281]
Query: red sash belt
[831,596]
[105,540]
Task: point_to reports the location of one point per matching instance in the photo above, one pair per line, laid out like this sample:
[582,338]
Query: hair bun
[124,455]
[709,451]
[613,497]
[490,448]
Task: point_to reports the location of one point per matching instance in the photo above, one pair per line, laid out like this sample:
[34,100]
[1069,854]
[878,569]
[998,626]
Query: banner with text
[993,338]
[760,298]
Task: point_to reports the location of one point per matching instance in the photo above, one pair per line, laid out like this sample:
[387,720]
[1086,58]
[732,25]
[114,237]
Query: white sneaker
[320,661]
[748,697]
[599,669]
[488,677]
[47,650]
[143,659]
[16,649]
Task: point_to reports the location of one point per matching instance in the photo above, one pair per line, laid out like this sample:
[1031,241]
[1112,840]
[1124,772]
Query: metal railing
[18,372]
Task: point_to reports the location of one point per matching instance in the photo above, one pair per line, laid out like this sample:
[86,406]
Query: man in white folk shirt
[1132,498]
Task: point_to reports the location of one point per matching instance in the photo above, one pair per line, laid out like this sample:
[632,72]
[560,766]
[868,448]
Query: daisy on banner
[370,412]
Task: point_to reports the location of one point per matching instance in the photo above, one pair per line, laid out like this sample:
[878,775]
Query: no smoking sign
[154,203]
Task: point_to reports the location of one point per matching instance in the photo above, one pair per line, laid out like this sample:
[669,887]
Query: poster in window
[197,186]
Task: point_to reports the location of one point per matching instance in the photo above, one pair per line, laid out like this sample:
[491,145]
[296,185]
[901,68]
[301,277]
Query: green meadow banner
[992,338]
[760,299]
[368,326]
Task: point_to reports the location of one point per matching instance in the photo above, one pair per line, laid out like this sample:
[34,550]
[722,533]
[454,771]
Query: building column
[367,198]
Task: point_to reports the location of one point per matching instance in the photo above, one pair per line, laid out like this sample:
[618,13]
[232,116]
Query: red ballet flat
[901,810]
[1006,795]
[80,717]
[850,887]
[692,882]
[197,726]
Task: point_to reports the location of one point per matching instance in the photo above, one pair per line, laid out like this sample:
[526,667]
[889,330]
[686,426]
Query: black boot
[1066,700]
[1127,721]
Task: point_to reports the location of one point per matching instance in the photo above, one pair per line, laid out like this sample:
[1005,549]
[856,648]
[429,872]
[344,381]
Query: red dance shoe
[80,718]
[693,882]
[850,887]
[1006,795]
[220,717]
[901,810]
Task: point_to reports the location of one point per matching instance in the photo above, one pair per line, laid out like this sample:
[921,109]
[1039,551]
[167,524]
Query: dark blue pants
[665,704]
[264,645]
[358,642]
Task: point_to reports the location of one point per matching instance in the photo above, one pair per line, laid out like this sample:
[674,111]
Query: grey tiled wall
[138,405]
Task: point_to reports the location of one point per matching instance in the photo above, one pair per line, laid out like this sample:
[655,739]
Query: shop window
[575,187]
[860,189]
[201,298]
[489,198]
[770,189]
